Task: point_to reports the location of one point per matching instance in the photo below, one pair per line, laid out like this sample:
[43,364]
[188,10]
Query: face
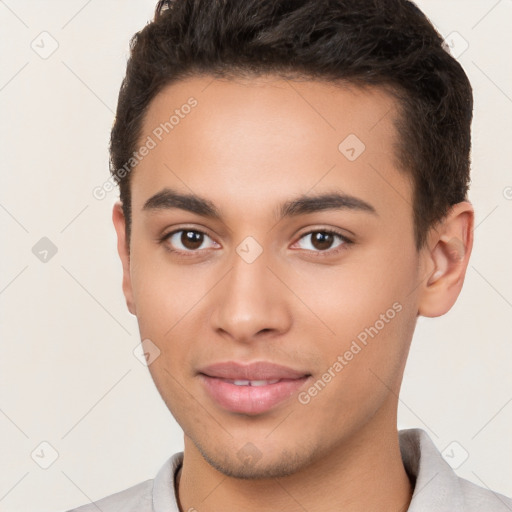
[238,271]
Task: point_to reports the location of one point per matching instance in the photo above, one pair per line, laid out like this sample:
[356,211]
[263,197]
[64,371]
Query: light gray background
[68,373]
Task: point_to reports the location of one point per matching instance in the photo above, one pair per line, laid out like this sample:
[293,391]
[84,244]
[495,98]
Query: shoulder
[478,498]
[437,486]
[136,499]
[157,493]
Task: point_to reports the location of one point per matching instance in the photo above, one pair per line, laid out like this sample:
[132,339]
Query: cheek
[167,314]
[352,296]
[164,293]
[366,316]
[170,301]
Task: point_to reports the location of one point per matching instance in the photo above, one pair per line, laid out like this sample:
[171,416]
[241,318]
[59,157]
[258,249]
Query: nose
[251,302]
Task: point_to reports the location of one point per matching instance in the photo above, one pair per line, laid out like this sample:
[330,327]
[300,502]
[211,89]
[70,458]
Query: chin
[249,463]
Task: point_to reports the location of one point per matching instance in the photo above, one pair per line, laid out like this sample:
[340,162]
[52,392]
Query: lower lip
[250,399]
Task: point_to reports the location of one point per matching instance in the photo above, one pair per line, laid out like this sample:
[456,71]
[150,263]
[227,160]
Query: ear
[445,259]
[124,253]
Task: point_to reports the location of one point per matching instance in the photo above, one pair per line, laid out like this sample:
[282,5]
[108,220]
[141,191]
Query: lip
[246,399]
[259,370]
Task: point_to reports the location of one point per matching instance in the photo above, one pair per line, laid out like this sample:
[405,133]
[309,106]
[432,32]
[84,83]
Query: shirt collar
[164,491]
[436,487]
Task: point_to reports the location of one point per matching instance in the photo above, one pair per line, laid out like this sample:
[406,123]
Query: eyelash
[328,252]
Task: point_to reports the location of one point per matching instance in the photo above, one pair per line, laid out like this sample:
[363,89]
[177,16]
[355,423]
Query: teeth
[254,382]
[263,382]
[241,382]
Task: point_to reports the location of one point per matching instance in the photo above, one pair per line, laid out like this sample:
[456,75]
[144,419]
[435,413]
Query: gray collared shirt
[437,487]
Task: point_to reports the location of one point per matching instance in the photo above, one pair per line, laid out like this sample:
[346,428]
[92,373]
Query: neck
[363,473]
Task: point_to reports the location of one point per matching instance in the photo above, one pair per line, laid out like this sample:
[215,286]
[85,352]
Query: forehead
[243,142]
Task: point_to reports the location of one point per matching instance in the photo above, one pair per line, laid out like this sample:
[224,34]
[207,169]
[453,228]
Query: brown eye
[188,240]
[191,239]
[322,241]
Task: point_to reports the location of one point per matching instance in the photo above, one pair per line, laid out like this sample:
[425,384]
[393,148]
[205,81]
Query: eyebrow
[168,199]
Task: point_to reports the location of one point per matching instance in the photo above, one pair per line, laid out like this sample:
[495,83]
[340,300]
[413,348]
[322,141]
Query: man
[293,180]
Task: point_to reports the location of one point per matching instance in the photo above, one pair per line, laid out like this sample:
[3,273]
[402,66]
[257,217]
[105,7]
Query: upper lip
[260,370]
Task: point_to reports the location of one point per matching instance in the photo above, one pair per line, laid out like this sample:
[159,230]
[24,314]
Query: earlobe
[124,254]
[447,260]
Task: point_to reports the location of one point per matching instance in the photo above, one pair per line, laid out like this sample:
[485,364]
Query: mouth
[256,383]
[251,389]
